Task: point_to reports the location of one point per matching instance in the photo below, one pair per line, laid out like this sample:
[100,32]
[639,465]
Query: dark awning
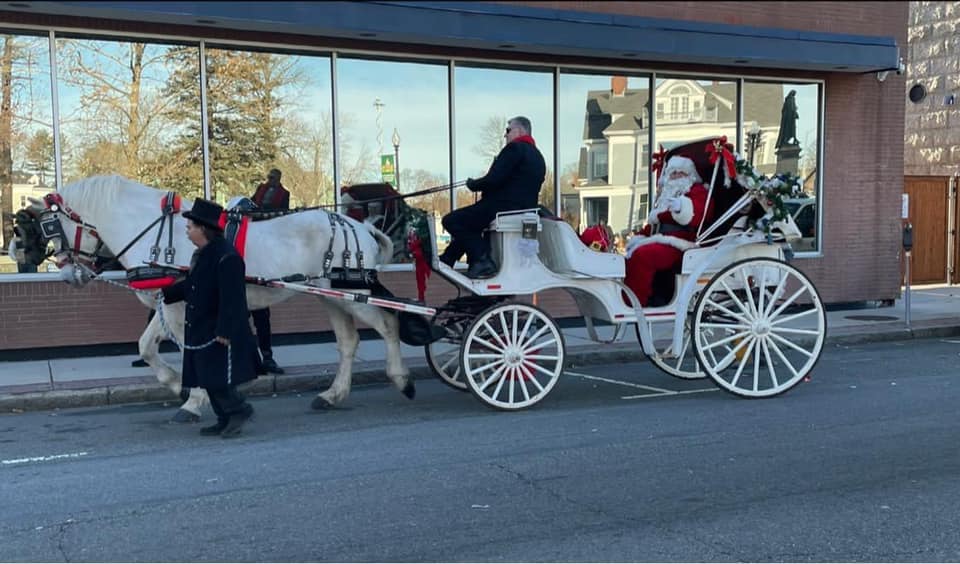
[516,29]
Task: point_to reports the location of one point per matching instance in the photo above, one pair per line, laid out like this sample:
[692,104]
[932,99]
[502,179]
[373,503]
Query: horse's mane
[99,192]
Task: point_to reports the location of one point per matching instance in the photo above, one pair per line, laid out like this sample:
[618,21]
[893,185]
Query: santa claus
[671,227]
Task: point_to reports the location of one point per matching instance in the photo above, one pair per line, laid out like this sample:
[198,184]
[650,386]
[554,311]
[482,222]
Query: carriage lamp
[753,139]
[396,157]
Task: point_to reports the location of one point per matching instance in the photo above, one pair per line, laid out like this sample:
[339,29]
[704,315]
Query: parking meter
[908,237]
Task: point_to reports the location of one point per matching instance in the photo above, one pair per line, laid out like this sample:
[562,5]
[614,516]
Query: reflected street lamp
[753,139]
[396,157]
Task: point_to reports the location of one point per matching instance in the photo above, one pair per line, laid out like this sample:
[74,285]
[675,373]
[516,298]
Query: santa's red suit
[671,227]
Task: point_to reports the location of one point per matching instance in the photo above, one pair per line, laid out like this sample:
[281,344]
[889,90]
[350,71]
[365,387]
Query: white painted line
[642,396]
[609,381]
[43,458]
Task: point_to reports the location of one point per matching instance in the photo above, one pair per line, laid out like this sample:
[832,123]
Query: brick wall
[932,146]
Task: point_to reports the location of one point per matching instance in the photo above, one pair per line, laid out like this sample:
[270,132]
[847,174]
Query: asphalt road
[859,464]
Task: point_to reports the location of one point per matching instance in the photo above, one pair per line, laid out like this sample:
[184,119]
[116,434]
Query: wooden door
[929,214]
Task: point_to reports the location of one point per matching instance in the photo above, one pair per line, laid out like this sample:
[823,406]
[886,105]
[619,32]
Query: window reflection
[130,108]
[781,135]
[28,141]
[604,154]
[485,99]
[269,110]
[393,127]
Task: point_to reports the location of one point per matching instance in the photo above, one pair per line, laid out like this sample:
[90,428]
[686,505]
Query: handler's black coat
[216,307]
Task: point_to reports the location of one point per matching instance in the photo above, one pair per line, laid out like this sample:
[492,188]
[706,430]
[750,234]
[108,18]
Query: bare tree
[6,133]
[491,139]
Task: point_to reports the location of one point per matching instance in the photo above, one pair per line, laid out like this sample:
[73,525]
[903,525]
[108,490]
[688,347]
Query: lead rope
[158,307]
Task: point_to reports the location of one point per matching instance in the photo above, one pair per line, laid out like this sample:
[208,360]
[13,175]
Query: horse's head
[27,245]
[76,247]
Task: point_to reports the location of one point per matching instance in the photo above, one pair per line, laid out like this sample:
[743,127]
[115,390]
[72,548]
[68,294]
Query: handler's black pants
[465,226]
[261,320]
[227,401]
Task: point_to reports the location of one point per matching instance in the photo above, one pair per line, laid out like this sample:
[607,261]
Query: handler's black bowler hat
[206,213]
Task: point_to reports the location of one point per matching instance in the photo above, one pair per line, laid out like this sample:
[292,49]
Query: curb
[313,378]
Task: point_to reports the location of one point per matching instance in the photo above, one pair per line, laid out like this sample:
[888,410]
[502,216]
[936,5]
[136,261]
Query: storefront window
[603,132]
[781,135]
[269,110]
[28,140]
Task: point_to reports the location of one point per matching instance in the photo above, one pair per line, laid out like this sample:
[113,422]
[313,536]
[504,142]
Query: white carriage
[739,312]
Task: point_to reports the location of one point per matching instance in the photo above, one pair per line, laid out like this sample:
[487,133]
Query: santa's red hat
[696,151]
[596,238]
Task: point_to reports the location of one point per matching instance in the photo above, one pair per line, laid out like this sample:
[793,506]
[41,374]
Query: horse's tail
[384,242]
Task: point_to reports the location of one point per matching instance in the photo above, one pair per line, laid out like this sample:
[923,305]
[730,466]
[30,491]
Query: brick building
[443,76]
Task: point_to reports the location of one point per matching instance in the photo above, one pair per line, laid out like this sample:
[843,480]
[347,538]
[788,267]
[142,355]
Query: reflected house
[26,185]
[613,172]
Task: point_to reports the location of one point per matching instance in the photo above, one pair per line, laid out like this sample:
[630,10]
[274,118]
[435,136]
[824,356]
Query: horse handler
[216,321]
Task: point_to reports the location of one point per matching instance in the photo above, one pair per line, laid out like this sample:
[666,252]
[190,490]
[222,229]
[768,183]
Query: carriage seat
[562,252]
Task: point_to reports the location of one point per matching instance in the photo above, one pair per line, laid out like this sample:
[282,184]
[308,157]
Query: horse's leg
[387,324]
[173,318]
[347,337]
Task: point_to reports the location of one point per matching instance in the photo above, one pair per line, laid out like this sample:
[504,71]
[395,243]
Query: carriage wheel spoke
[791,345]
[526,327]
[762,287]
[743,361]
[725,340]
[505,329]
[452,360]
[523,377]
[794,317]
[513,382]
[773,370]
[725,326]
[495,334]
[723,309]
[776,295]
[756,366]
[792,331]
[487,366]
[786,303]
[516,322]
[541,357]
[783,359]
[749,292]
[746,310]
[494,376]
[733,352]
[489,345]
[528,343]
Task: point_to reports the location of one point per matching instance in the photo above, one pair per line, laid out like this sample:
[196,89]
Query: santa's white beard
[673,189]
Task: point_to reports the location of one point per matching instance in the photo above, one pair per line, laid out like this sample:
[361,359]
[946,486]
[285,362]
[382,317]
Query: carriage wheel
[761,342]
[683,365]
[443,358]
[512,356]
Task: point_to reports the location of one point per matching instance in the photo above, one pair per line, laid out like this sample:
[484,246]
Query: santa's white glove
[673,204]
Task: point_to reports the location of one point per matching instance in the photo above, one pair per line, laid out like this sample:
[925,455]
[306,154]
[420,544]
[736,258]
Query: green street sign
[388,169]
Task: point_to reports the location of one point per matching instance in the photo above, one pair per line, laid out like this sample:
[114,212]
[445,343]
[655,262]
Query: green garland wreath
[775,189]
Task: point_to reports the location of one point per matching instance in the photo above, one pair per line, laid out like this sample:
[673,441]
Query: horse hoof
[410,390]
[184,416]
[320,404]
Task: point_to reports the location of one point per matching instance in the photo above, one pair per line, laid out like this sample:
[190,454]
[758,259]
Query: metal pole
[906,297]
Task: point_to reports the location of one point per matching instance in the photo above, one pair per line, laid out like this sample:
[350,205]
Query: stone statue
[788,122]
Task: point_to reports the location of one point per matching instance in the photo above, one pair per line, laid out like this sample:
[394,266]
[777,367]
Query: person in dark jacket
[512,183]
[271,195]
[215,293]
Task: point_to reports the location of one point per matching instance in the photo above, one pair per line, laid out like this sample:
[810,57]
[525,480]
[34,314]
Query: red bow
[658,159]
[420,263]
[717,149]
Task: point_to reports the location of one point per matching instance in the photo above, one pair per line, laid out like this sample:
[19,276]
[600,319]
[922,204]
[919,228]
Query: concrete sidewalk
[76,382]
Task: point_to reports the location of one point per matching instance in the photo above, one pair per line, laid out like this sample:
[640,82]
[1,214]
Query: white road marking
[609,381]
[642,396]
[43,458]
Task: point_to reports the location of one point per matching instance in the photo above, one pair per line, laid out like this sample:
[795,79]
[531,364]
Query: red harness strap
[240,240]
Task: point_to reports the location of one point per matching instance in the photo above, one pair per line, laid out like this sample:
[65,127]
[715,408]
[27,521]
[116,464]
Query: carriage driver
[671,227]
[512,183]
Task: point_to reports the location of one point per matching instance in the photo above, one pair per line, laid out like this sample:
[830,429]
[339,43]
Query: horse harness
[51,228]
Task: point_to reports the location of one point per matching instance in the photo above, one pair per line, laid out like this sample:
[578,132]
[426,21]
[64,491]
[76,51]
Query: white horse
[294,243]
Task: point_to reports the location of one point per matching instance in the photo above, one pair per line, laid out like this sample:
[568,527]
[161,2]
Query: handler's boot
[235,424]
[482,268]
[214,429]
[270,365]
